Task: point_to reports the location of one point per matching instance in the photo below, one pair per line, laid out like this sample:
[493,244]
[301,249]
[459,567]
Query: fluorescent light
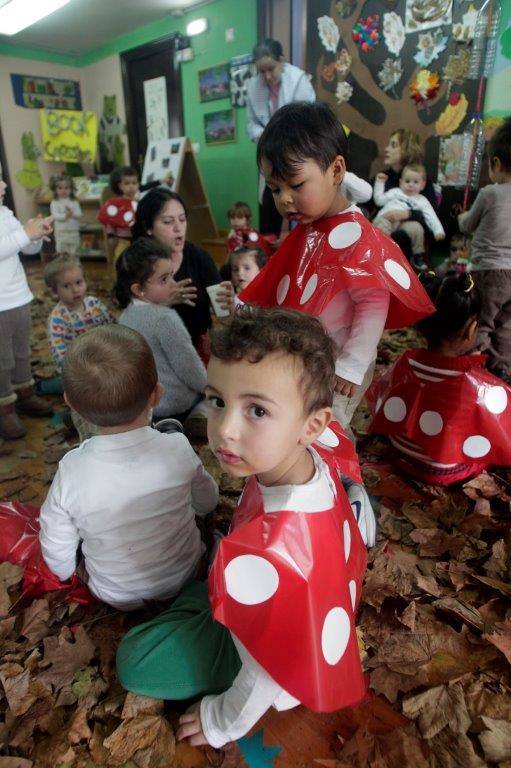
[196,27]
[19,14]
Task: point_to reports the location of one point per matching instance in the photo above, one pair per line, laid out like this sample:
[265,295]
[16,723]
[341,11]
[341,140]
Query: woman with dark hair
[277,83]
[161,214]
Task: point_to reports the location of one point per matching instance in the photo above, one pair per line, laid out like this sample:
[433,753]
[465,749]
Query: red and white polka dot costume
[317,261]
[118,216]
[287,585]
[447,417]
[246,237]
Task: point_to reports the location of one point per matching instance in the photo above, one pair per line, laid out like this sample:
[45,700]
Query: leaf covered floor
[434,631]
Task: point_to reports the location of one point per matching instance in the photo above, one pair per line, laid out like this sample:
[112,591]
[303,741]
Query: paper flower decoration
[452,116]
[430,46]
[457,67]
[343,63]
[343,92]
[424,87]
[390,74]
[328,33]
[464,32]
[345,7]
[365,32]
[393,32]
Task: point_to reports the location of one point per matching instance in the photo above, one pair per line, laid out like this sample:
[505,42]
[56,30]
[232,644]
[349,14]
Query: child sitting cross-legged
[279,625]
[445,415]
[130,494]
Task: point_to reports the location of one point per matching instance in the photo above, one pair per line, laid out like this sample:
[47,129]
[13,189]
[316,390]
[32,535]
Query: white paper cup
[213,291]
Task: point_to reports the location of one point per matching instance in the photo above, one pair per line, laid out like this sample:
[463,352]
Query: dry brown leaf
[20,690]
[496,741]
[79,728]
[141,705]
[144,733]
[483,697]
[485,485]
[461,610]
[497,564]
[455,750]
[437,707]
[392,525]
[500,637]
[15,762]
[35,621]
[397,748]
[394,574]
[99,753]
[9,576]
[65,657]
[6,626]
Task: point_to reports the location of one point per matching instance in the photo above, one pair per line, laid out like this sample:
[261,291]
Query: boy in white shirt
[129,494]
[286,581]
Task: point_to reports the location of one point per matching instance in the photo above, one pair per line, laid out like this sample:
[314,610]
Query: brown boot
[10,426]
[30,405]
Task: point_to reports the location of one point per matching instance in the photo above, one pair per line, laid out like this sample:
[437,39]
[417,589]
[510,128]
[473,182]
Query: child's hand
[440,236]
[190,727]
[39,228]
[225,297]
[344,387]
[185,293]
[381,177]
[396,216]
[69,212]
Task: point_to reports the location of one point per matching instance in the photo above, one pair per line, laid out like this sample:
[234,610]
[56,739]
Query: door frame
[9,197]
[298,12]
[166,44]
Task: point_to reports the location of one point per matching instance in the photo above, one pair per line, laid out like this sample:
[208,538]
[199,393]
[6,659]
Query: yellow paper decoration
[452,117]
[68,136]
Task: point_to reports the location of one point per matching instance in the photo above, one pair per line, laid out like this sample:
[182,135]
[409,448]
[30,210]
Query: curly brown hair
[412,149]
[253,333]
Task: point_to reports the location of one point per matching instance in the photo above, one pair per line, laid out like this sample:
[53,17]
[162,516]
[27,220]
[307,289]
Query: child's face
[310,193]
[256,420]
[412,183]
[243,270]
[458,249]
[3,187]
[63,189]
[71,287]
[129,186]
[159,288]
[239,221]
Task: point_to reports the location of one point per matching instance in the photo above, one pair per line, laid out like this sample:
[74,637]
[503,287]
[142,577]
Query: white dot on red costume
[495,399]
[283,288]
[395,409]
[329,438]
[476,446]
[344,235]
[347,539]
[251,579]
[112,210]
[397,273]
[379,403]
[431,423]
[335,635]
[253,236]
[134,204]
[353,593]
[128,216]
[309,288]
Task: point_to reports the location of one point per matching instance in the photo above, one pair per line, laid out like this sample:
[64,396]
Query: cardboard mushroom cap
[449,410]
[317,261]
[273,585]
[247,237]
[118,212]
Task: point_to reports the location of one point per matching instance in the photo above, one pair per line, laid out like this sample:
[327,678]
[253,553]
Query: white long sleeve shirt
[355,189]
[396,200]
[232,714]
[64,223]
[14,290]
[131,499]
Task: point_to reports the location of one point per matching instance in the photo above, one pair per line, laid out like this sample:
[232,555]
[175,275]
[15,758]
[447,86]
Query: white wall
[104,79]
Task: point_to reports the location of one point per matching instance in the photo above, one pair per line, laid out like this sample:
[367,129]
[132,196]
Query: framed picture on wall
[215,82]
[220,127]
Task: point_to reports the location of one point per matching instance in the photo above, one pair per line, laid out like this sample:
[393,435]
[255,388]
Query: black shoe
[418,263]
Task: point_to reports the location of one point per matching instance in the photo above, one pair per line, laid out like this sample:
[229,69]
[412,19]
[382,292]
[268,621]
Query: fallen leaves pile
[434,633]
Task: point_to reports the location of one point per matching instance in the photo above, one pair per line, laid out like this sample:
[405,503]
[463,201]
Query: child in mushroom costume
[286,580]
[445,415]
[334,264]
[117,214]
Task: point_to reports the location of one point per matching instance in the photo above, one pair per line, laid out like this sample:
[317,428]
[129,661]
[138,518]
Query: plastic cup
[213,291]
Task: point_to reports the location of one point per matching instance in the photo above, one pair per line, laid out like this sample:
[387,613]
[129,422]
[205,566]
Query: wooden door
[146,63]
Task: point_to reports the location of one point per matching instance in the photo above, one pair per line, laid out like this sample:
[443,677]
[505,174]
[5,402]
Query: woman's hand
[396,216]
[344,387]
[225,297]
[185,293]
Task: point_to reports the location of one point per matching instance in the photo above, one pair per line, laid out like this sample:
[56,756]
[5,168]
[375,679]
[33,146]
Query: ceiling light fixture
[196,27]
[19,14]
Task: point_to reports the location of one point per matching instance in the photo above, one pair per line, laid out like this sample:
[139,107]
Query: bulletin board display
[68,136]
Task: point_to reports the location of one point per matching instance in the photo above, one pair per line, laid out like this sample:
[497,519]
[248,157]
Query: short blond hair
[416,168]
[58,265]
[109,375]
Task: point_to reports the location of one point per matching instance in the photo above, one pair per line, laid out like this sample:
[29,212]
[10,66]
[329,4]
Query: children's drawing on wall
[425,14]
[214,82]
[242,69]
[45,92]
[220,127]
[156,113]
[111,131]
[163,160]
[29,176]
[68,137]
[450,163]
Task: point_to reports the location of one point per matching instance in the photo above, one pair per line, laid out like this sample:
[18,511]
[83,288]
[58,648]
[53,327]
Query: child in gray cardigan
[144,289]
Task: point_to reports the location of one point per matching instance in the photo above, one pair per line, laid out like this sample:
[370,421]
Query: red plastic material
[19,544]
[288,584]
[118,212]
[446,413]
[246,237]
[317,261]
